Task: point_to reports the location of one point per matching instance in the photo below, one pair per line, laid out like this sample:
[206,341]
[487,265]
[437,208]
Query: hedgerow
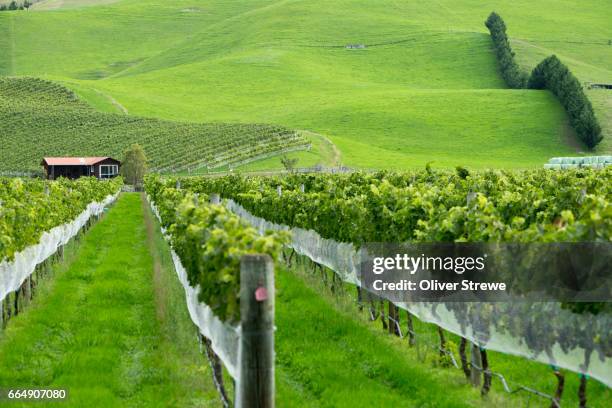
[552,74]
[512,74]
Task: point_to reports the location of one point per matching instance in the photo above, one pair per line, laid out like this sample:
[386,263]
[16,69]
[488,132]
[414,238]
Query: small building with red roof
[75,167]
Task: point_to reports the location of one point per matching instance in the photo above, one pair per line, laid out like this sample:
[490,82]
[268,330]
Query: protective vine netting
[224,338]
[596,162]
[15,272]
[542,331]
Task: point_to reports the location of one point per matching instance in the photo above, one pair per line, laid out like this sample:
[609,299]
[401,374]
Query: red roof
[73,161]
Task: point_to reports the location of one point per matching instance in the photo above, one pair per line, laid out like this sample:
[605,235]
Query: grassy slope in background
[39,118]
[550,74]
[429,90]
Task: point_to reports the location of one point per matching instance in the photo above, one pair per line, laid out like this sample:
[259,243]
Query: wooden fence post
[27,289]
[464,363]
[17,301]
[476,366]
[442,348]
[256,351]
[582,398]
[382,314]
[486,372]
[411,334]
[7,309]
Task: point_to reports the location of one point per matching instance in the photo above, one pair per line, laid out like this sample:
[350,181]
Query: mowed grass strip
[100,328]
[334,361]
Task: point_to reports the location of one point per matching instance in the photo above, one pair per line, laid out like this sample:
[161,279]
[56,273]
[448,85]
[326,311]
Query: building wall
[77,171]
[104,162]
[71,172]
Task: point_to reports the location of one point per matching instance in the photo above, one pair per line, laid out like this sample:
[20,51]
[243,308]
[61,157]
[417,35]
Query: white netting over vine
[15,272]
[341,257]
[224,338]
[543,331]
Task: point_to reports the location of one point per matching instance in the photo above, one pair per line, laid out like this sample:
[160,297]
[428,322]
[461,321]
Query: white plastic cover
[15,272]
[482,323]
[597,162]
[224,338]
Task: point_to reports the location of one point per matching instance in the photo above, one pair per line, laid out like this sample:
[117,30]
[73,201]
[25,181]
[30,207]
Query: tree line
[550,74]
[515,78]
[13,5]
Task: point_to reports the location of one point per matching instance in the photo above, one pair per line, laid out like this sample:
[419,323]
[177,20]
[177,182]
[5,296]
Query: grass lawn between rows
[424,355]
[109,326]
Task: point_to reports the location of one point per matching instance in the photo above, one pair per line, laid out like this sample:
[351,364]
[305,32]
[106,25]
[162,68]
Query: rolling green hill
[425,88]
[40,118]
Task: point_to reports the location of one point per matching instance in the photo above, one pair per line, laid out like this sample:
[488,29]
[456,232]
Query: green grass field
[426,88]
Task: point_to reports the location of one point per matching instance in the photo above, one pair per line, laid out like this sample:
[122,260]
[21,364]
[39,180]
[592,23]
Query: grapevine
[440,206]
[210,241]
[28,208]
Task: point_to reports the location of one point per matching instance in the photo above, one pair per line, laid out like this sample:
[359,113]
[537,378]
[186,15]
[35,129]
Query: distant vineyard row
[39,118]
[28,208]
[429,206]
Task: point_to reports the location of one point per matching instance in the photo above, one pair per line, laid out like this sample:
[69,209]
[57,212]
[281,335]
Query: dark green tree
[553,75]
[134,165]
[512,74]
[289,163]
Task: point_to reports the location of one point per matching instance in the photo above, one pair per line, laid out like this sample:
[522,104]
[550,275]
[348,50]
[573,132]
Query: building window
[108,170]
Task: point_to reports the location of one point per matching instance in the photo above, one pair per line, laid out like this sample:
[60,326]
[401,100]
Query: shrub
[552,74]
[462,172]
[134,165]
[512,74]
[289,163]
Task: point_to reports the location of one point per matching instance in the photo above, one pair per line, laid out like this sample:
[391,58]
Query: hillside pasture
[40,118]
[426,87]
